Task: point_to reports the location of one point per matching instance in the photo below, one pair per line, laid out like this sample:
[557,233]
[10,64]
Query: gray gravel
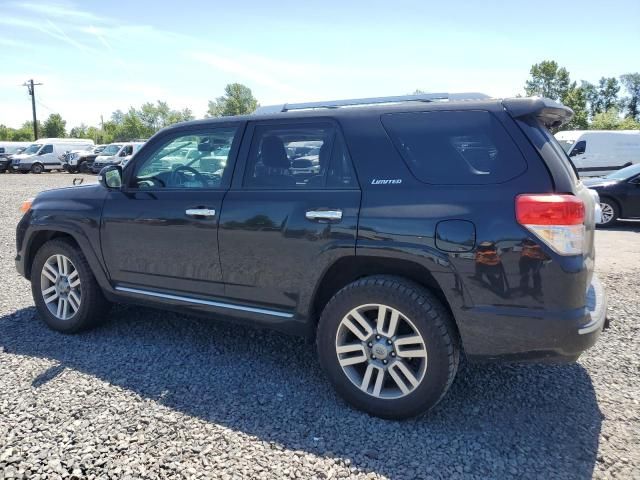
[159,395]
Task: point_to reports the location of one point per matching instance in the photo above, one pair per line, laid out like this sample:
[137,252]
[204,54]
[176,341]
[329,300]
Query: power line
[32,91]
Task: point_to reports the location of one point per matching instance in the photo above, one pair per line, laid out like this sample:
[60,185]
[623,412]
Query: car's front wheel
[610,212]
[37,168]
[388,346]
[67,295]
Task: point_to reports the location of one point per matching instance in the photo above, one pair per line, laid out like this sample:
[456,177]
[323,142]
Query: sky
[96,57]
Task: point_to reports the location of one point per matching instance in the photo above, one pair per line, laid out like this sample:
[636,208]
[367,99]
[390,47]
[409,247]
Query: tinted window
[448,148]
[46,149]
[291,156]
[580,148]
[193,160]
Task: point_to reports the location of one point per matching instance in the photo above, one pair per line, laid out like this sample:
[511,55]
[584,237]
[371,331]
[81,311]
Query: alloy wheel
[60,286]
[381,351]
[607,213]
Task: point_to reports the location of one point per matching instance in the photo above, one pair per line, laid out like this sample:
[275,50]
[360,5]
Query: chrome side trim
[209,303]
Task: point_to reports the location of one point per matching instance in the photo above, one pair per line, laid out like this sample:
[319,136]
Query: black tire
[430,318]
[83,167]
[37,168]
[93,306]
[605,203]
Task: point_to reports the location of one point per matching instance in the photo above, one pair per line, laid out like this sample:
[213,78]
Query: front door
[291,212]
[160,232]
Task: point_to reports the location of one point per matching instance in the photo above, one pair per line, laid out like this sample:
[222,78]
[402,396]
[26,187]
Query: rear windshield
[449,148]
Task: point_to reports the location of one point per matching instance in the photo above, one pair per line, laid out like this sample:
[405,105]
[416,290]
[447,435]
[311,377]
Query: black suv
[429,228]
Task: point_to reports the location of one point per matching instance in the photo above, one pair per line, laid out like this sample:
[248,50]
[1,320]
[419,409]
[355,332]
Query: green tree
[237,100]
[25,132]
[5,132]
[602,97]
[631,104]
[54,126]
[80,131]
[611,120]
[548,80]
[576,99]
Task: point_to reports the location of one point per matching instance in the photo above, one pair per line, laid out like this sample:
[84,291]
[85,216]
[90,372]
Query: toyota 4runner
[433,225]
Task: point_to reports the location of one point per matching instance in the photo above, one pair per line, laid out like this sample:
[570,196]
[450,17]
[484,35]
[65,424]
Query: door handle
[330,215]
[200,212]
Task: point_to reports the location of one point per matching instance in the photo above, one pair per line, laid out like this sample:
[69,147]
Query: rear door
[160,233]
[280,230]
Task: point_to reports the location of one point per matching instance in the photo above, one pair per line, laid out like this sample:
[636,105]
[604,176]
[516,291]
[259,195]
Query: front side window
[579,148]
[46,149]
[298,156]
[455,148]
[191,160]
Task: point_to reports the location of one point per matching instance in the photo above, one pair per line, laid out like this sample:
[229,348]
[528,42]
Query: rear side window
[455,148]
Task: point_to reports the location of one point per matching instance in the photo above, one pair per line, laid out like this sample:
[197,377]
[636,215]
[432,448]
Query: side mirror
[111,177]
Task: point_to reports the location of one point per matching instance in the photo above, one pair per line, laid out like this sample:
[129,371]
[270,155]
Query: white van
[45,153]
[116,154]
[598,152]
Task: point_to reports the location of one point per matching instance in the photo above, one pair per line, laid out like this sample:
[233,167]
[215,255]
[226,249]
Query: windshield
[32,149]
[111,150]
[624,173]
[566,144]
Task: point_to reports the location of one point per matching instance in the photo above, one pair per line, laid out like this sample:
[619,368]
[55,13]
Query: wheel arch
[349,269]
[615,202]
[40,236]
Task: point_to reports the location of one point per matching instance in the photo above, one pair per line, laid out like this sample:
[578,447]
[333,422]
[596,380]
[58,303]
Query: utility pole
[31,87]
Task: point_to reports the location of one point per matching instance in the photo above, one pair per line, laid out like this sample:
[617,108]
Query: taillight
[558,220]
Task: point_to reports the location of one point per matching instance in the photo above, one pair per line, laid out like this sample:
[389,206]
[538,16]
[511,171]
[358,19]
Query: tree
[237,100]
[603,97]
[576,99]
[611,120]
[548,80]
[54,126]
[79,132]
[631,104]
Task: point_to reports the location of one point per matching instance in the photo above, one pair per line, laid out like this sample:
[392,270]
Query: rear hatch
[535,116]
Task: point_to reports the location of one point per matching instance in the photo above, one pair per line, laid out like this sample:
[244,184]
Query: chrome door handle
[200,212]
[332,215]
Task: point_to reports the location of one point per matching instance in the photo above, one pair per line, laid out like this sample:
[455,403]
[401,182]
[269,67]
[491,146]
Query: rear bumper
[524,335]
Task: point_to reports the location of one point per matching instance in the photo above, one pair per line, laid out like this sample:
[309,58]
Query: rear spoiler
[552,114]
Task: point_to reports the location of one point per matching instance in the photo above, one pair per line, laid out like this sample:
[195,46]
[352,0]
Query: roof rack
[421,97]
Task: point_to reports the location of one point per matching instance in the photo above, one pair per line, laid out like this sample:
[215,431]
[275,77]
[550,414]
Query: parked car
[432,228]
[81,160]
[45,154]
[115,154]
[619,194]
[599,152]
[7,150]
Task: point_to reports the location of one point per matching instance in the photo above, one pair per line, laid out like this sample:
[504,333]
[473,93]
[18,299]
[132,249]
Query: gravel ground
[159,395]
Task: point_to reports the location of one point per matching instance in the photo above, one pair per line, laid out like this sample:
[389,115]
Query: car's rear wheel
[610,212]
[83,167]
[37,168]
[388,346]
[67,295]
